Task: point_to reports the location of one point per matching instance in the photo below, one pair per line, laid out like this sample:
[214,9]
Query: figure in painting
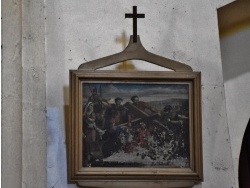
[91,133]
[100,106]
[117,118]
[142,105]
[118,114]
[173,118]
[177,122]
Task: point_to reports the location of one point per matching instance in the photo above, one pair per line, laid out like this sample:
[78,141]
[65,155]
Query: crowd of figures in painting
[136,125]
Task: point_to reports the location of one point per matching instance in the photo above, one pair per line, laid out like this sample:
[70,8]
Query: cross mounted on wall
[134,16]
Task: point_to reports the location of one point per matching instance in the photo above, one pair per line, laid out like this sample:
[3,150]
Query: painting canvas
[136,124]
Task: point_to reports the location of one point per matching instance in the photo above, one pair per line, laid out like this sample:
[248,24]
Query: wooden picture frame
[91,165]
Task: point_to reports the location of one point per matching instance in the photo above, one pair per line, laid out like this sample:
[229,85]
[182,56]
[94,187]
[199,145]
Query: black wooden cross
[134,16]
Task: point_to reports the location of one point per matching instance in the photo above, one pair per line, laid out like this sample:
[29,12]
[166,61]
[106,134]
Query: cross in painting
[125,65]
[134,16]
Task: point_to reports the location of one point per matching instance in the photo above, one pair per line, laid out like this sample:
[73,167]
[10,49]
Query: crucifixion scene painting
[136,125]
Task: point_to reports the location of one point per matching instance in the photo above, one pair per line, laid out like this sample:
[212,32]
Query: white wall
[235,51]
[11,96]
[79,31]
[23,94]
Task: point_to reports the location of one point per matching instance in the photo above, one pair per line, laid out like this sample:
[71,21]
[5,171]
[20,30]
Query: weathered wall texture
[236,72]
[11,94]
[33,95]
[80,31]
[23,94]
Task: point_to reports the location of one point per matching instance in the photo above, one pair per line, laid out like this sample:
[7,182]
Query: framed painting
[134,127]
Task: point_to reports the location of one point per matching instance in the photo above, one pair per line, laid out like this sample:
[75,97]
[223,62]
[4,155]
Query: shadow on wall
[235,55]
[244,162]
[67,124]
[234,27]
[66,115]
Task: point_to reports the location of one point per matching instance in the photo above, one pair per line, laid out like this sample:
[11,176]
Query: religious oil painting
[126,126]
[136,124]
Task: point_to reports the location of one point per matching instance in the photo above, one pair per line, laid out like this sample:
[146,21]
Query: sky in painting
[146,92]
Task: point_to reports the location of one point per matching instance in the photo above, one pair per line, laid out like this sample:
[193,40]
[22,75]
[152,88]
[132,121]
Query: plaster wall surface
[23,94]
[11,96]
[186,31]
[33,95]
[236,73]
